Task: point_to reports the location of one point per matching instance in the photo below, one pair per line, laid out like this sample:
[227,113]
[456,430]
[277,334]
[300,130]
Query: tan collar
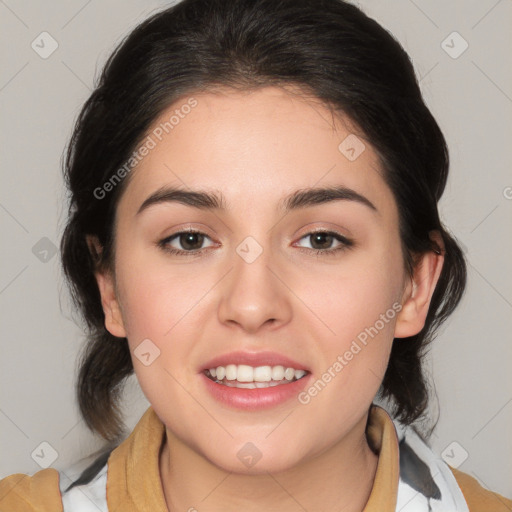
[133,480]
[382,434]
[133,477]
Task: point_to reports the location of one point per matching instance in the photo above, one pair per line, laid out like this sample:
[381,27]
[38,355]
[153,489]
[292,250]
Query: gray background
[470,96]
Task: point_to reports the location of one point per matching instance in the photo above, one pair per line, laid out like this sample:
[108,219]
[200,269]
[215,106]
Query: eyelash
[346,243]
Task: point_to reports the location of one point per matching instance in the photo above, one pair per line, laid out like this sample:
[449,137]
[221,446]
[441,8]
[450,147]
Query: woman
[253,230]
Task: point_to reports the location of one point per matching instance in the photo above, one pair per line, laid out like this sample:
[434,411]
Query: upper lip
[254,359]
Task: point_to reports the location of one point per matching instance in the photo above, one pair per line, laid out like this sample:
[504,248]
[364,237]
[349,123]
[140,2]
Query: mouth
[248,377]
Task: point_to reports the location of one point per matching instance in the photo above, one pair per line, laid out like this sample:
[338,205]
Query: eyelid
[322,227]
[189,228]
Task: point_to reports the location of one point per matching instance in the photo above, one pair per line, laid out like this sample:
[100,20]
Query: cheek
[353,349]
[358,305]
[155,297]
[157,305]
[353,295]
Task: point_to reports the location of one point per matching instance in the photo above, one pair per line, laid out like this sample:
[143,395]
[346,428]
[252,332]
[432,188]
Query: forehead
[255,146]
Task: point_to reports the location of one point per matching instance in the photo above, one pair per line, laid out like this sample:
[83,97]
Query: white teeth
[266,375]
[263,374]
[250,385]
[299,374]
[247,385]
[277,373]
[244,373]
[231,372]
[221,372]
[289,373]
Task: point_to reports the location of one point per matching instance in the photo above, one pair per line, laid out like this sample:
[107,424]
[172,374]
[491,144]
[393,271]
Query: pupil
[322,237]
[189,240]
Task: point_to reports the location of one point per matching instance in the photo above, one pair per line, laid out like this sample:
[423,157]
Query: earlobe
[418,293]
[106,285]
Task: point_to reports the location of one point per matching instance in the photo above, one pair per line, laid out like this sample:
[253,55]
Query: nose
[254,295]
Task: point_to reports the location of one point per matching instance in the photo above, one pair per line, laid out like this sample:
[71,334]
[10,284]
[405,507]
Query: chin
[248,460]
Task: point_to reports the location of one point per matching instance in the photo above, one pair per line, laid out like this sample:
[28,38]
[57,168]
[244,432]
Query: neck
[340,478]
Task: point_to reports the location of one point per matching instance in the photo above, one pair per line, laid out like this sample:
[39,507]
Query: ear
[106,284]
[419,290]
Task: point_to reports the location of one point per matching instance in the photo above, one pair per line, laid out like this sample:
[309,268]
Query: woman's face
[257,279]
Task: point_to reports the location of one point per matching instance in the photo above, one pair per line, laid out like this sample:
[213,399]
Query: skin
[257,147]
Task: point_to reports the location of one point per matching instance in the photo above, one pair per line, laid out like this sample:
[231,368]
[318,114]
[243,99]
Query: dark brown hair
[330,49]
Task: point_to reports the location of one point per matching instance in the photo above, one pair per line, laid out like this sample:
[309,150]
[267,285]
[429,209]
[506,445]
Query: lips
[258,399]
[254,359]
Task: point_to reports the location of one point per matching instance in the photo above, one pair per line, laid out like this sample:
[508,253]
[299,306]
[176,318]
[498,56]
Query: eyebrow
[214,200]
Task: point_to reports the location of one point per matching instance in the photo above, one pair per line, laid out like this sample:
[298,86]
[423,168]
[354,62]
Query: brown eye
[191,241]
[322,242]
[184,242]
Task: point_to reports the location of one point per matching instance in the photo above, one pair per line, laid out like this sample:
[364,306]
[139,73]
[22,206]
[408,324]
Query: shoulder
[427,478]
[477,497]
[23,493]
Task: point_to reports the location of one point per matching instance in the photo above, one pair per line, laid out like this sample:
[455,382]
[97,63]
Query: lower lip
[255,399]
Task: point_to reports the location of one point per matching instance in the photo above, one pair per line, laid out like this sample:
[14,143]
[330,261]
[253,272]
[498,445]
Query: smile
[249,377]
